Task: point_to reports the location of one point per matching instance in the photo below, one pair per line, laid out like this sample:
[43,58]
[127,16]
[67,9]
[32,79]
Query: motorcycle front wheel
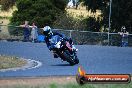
[71,59]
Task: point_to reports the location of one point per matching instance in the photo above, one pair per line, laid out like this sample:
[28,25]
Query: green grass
[11,62]
[98,86]
[73,86]
[53,86]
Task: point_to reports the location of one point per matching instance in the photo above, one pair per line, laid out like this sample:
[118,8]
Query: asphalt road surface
[94,59]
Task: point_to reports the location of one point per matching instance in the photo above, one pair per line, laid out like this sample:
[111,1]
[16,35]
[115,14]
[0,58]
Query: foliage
[68,22]
[121,12]
[93,24]
[39,11]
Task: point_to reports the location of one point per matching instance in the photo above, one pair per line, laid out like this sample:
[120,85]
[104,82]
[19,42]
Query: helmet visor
[46,33]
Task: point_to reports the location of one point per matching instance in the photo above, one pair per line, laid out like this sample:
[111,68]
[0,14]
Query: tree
[68,22]
[121,12]
[7,4]
[39,11]
[93,24]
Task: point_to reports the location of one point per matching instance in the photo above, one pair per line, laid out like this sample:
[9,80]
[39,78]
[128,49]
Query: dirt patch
[8,63]
[34,81]
[11,62]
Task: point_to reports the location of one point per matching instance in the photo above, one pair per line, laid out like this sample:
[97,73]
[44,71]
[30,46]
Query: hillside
[7,13]
[81,11]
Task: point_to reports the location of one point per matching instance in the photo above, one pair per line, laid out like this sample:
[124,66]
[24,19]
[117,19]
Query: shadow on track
[61,65]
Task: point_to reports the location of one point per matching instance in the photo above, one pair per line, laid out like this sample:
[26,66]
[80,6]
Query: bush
[68,22]
[93,24]
[39,11]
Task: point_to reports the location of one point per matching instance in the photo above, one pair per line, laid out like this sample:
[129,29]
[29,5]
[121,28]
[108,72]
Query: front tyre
[76,60]
[71,59]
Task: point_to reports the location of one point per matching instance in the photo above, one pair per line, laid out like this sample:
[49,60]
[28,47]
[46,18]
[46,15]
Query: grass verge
[72,86]
[54,82]
[11,62]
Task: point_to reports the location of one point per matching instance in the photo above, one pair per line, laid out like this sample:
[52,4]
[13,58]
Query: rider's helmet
[47,31]
[123,27]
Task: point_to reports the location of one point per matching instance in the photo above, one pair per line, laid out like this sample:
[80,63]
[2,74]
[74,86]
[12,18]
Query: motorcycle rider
[124,34]
[48,35]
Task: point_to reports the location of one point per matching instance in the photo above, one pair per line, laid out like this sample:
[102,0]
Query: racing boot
[55,54]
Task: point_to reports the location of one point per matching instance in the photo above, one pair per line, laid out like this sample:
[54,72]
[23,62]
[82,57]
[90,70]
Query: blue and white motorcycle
[64,50]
